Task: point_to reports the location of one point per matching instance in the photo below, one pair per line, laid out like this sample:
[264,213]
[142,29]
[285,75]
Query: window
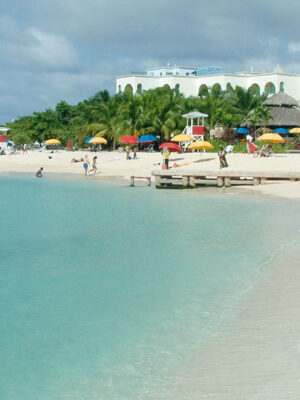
[281,87]
[139,89]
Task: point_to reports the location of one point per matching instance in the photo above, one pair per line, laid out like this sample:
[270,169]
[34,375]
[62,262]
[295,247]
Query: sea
[106,290]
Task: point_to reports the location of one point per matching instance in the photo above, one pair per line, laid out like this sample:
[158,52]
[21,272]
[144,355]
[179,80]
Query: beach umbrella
[241,130]
[53,141]
[281,131]
[200,145]
[128,139]
[147,139]
[98,140]
[295,130]
[3,138]
[181,138]
[89,139]
[271,138]
[171,146]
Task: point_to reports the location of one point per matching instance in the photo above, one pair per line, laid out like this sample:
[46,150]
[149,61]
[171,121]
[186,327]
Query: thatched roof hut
[281,100]
[282,111]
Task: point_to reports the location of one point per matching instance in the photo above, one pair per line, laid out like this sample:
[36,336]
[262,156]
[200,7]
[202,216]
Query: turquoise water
[105,289]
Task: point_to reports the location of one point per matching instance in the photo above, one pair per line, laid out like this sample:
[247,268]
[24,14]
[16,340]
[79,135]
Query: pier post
[192,181]
[185,181]
[132,181]
[227,181]
[157,181]
[220,181]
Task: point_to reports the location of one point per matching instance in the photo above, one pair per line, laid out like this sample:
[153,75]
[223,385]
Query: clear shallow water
[106,289]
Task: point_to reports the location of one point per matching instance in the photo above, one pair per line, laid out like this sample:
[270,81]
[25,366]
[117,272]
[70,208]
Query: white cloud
[294,47]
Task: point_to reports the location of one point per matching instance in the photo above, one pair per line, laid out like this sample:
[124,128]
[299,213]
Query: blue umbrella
[282,131]
[242,130]
[88,139]
[147,139]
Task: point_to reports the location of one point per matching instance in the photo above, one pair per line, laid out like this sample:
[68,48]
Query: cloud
[72,48]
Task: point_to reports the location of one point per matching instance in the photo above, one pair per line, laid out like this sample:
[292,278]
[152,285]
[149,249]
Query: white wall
[189,85]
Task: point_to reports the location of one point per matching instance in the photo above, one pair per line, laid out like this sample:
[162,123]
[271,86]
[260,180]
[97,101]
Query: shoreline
[255,354]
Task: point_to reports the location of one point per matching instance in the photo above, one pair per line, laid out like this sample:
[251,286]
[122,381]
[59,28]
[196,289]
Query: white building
[189,81]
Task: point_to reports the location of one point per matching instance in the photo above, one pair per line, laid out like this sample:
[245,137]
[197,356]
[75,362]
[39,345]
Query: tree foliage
[156,111]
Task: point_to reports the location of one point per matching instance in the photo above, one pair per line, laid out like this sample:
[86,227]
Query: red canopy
[171,146]
[128,139]
[3,138]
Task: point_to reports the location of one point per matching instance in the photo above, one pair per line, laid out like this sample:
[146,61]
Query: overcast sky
[53,50]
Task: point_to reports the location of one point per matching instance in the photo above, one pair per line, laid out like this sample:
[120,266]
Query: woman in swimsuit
[94,166]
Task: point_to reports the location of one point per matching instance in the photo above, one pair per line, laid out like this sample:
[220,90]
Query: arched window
[229,86]
[270,88]
[128,87]
[177,88]
[119,89]
[255,88]
[217,87]
[202,88]
[166,86]
[281,87]
[139,89]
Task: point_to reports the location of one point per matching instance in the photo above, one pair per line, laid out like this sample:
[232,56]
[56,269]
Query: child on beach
[39,173]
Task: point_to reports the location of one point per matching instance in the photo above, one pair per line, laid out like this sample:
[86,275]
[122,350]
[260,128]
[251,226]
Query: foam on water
[105,289]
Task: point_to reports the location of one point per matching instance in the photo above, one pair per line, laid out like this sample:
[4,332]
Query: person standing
[134,153]
[222,158]
[127,149]
[167,156]
[86,164]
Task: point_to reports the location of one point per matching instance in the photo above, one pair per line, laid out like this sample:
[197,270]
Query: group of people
[86,164]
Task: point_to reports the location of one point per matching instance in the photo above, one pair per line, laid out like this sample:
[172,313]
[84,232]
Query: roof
[281,100]
[283,116]
[195,114]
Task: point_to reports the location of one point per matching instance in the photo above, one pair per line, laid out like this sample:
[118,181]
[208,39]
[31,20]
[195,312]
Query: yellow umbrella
[295,130]
[53,141]
[181,138]
[200,145]
[271,138]
[98,140]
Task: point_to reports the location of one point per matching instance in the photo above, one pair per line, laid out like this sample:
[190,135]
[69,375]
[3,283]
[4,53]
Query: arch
[255,88]
[128,87]
[139,89]
[229,86]
[281,87]
[269,88]
[177,88]
[166,86]
[202,88]
[216,86]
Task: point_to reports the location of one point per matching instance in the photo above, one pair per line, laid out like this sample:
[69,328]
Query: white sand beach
[113,164]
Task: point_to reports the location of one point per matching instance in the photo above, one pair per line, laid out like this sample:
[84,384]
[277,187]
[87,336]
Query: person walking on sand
[222,158]
[127,149]
[94,165]
[134,153]
[86,164]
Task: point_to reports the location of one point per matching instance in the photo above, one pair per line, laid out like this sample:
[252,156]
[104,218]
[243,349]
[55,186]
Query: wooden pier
[193,178]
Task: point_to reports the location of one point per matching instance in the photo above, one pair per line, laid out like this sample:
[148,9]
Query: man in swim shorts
[86,164]
[39,173]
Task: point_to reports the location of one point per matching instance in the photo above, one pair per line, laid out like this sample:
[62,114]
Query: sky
[53,50]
